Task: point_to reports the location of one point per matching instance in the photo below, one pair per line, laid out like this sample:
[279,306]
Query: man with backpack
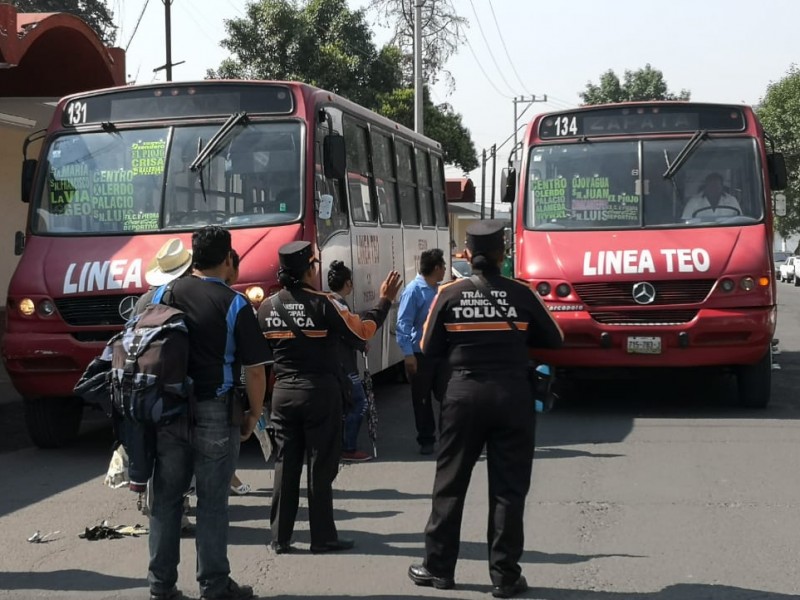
[222,331]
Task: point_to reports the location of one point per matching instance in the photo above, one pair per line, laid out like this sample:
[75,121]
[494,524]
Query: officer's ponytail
[338,275]
[488,262]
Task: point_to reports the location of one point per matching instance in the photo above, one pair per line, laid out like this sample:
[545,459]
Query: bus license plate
[644,345]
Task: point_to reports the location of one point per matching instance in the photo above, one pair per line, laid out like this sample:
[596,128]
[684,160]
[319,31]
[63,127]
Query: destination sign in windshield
[178,101]
[642,120]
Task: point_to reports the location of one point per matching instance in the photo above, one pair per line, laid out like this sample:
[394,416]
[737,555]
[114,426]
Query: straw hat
[170,262]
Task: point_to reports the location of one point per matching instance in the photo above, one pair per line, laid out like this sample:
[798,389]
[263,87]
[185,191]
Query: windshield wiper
[685,153]
[221,136]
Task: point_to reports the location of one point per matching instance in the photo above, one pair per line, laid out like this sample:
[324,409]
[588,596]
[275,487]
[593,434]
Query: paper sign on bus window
[325,206]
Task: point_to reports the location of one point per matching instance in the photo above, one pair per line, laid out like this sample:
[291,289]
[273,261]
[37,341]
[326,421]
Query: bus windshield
[133,180]
[622,184]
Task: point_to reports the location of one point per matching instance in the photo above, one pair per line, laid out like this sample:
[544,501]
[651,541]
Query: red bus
[646,228]
[123,170]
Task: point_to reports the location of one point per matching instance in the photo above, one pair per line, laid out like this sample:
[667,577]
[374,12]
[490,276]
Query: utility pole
[494,172]
[168,27]
[483,184]
[523,100]
[418,121]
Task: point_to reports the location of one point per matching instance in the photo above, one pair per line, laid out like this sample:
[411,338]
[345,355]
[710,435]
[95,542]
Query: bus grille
[97,310]
[650,318]
[619,293]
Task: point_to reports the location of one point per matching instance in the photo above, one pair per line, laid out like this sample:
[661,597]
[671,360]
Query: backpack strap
[483,287]
[277,304]
[160,296]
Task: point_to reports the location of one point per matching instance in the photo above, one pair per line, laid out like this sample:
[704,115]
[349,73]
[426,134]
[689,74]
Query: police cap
[485,236]
[296,256]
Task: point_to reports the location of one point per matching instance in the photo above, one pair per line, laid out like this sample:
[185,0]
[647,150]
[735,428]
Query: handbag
[345,385]
[539,376]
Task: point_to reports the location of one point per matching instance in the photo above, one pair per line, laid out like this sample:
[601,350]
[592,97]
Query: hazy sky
[720,50]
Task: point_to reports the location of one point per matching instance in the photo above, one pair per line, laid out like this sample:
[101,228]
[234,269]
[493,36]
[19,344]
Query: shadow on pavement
[68,580]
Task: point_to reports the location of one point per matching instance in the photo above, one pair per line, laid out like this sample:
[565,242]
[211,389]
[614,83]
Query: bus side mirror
[780,205]
[19,243]
[776,165]
[334,157]
[508,183]
[28,171]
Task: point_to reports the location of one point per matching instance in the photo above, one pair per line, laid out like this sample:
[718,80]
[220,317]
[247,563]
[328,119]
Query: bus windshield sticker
[147,158]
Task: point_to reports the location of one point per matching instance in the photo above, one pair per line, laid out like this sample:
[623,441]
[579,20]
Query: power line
[237,8]
[505,48]
[480,66]
[489,48]
[136,27]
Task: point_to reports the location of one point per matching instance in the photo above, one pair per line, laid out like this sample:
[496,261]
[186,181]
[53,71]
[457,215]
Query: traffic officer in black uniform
[307,396]
[489,402]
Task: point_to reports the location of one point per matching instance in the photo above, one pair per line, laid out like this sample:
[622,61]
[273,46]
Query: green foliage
[644,84]
[779,113]
[442,124]
[94,12]
[324,43]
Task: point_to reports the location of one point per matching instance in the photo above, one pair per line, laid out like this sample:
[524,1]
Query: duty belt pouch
[542,385]
[345,385]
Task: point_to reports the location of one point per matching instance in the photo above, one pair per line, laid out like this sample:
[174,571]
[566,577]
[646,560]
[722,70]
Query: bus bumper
[715,337]
[45,365]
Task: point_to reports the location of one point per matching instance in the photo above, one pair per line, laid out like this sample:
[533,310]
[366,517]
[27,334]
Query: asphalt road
[656,489]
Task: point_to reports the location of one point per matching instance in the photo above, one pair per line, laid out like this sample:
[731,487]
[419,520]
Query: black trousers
[495,410]
[430,381]
[308,427]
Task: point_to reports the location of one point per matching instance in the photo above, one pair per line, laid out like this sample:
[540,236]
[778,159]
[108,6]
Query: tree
[324,43]
[779,112]
[442,124]
[644,84]
[442,34]
[95,12]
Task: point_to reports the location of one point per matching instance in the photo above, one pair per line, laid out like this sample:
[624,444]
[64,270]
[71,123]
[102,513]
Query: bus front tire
[754,383]
[53,422]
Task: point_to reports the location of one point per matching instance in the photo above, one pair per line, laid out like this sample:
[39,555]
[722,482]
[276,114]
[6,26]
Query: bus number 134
[566,126]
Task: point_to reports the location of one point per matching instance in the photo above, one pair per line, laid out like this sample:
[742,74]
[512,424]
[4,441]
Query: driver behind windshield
[712,201]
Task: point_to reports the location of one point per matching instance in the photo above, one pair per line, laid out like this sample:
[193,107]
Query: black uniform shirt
[222,331]
[466,327]
[323,320]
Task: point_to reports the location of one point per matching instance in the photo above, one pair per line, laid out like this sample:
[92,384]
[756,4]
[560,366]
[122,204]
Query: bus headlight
[727,285]
[543,288]
[46,308]
[562,290]
[747,283]
[27,307]
[255,294]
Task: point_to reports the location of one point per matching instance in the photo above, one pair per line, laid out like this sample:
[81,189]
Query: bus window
[439,201]
[424,188]
[358,172]
[406,183]
[385,181]
[584,186]
[718,184]
[102,183]
[333,187]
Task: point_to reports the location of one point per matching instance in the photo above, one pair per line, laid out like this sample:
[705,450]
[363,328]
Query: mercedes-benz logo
[644,293]
[126,306]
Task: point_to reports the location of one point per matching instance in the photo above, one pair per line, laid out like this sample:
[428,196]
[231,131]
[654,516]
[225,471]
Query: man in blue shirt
[415,302]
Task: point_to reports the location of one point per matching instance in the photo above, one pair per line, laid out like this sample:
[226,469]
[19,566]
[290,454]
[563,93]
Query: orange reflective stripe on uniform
[281,335]
[362,328]
[485,326]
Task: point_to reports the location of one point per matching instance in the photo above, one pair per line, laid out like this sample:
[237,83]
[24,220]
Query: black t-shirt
[223,333]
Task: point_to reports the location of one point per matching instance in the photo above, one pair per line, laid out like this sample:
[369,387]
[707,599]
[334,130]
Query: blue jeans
[209,452]
[352,421]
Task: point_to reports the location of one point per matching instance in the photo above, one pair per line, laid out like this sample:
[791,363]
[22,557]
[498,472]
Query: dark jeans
[352,422]
[209,452]
[495,410]
[430,381]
